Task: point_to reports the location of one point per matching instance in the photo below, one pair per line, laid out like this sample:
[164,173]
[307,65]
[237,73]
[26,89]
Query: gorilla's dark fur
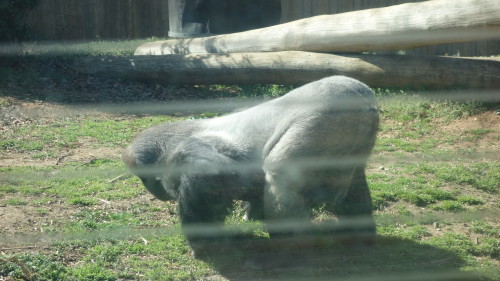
[285,156]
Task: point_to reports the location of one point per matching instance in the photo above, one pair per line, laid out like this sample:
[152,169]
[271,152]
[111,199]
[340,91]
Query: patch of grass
[265,91]
[488,247]
[149,258]
[465,248]
[417,198]
[98,219]
[21,146]
[412,120]
[93,271]
[482,227]
[403,211]
[7,189]
[404,232]
[455,242]
[51,138]
[43,155]
[14,202]
[382,199]
[135,215]
[83,201]
[483,176]
[70,181]
[172,249]
[469,200]
[27,266]
[42,211]
[439,194]
[422,185]
[479,132]
[390,145]
[448,205]
[406,106]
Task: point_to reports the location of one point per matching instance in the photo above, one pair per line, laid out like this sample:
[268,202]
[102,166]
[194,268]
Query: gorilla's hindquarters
[321,161]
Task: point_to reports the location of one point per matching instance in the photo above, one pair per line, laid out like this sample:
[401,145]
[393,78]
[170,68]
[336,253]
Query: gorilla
[284,157]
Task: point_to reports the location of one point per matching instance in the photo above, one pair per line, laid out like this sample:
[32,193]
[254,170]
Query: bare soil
[463,127]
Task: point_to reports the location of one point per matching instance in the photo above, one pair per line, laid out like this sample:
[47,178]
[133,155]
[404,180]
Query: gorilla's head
[142,160]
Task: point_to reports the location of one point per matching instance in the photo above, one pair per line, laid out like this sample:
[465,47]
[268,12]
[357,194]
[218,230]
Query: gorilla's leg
[253,194]
[282,198]
[285,210]
[355,212]
[203,207]
[206,191]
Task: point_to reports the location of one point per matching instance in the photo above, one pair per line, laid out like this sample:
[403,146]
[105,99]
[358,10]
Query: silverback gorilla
[284,157]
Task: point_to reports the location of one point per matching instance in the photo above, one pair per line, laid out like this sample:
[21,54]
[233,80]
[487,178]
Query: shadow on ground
[52,79]
[387,259]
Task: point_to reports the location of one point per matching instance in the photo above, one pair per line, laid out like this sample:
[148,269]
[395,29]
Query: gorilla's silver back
[343,110]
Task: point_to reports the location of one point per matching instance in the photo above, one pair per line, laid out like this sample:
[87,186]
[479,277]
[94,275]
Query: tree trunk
[298,68]
[392,28]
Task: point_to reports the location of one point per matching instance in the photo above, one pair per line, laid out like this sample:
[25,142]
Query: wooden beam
[397,27]
[298,68]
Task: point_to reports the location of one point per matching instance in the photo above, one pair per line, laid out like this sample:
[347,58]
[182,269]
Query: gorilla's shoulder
[338,83]
[331,89]
[339,79]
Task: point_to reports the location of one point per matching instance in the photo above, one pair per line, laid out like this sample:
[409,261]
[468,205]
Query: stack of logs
[303,51]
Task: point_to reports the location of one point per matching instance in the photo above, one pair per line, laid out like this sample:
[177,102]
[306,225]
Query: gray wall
[99,19]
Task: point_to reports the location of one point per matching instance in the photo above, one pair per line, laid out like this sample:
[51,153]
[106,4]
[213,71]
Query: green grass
[109,259]
[448,205]
[483,176]
[405,232]
[83,201]
[469,200]
[420,111]
[14,202]
[32,266]
[424,184]
[58,135]
[413,119]
[78,185]
[484,228]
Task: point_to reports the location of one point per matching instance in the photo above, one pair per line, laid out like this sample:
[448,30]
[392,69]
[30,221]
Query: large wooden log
[392,28]
[294,67]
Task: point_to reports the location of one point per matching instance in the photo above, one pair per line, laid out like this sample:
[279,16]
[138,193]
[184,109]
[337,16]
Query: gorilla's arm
[206,186]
